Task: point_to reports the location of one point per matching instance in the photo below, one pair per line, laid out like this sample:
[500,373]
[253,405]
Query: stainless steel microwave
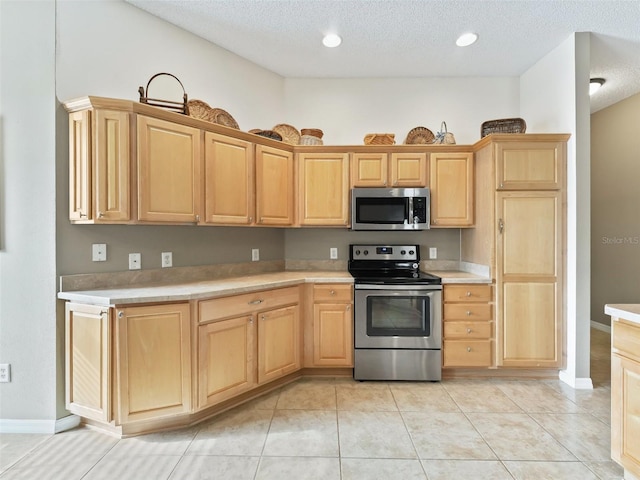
[390,209]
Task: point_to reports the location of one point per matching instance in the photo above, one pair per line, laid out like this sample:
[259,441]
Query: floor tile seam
[481,436]
[592,470]
[406,427]
[31,450]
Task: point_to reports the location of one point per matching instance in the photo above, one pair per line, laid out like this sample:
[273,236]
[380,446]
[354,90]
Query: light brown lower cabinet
[279,343]
[332,325]
[468,325]
[625,395]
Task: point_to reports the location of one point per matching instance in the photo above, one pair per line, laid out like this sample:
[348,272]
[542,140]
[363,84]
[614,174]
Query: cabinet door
[274,186]
[154,361]
[88,361]
[278,343]
[323,189]
[228,180]
[530,165]
[111,166]
[529,274]
[226,359]
[625,413]
[408,169]
[80,166]
[369,169]
[332,335]
[451,189]
[169,159]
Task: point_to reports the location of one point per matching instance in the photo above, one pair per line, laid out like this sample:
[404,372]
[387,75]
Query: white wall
[27,213]
[554,98]
[347,109]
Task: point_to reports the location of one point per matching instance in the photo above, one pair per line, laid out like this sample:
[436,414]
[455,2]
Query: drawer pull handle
[332,292]
[469,330]
[255,302]
[468,349]
[468,313]
[468,294]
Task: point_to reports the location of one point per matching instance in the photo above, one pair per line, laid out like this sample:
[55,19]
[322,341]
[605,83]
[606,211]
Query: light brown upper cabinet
[530,165]
[378,169]
[274,186]
[169,164]
[452,189]
[323,189]
[99,163]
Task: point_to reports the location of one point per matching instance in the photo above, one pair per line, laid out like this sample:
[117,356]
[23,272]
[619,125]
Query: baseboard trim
[601,326]
[39,426]
[577,383]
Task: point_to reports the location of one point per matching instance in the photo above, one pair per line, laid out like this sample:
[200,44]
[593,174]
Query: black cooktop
[395,278]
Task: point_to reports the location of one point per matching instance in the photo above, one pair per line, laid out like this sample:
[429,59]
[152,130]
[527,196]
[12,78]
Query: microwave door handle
[410,218]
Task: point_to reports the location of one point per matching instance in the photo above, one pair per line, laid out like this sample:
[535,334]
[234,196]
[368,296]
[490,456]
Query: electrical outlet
[333,253]
[5,372]
[99,252]
[167,259]
[433,253]
[135,261]
[255,254]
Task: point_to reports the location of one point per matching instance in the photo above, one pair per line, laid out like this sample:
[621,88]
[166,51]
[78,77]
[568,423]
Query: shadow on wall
[2,187]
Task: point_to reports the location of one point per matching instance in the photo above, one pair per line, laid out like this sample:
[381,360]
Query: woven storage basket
[503,125]
[310,140]
[419,135]
[314,132]
[379,139]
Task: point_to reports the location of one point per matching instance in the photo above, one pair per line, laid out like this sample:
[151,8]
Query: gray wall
[615,206]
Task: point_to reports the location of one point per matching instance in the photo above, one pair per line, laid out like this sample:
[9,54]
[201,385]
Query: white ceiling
[416,38]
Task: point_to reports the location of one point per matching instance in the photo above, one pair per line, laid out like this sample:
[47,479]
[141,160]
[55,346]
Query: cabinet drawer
[626,338]
[468,311]
[225,307]
[332,293]
[467,353]
[467,330]
[467,293]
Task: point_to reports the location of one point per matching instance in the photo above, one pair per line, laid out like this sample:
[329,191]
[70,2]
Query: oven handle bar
[404,286]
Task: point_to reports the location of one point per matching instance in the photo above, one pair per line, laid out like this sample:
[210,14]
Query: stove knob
[403,252]
[411,252]
[357,252]
[366,252]
[415,265]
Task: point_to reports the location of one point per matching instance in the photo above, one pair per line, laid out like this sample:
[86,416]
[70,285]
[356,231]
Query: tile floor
[342,429]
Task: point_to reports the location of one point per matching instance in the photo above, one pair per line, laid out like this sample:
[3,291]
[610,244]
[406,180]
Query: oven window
[401,316]
[381,210]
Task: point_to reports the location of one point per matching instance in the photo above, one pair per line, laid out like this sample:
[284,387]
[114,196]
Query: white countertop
[628,311]
[181,292]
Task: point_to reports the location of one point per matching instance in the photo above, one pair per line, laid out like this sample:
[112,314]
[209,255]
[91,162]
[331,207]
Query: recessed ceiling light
[466,39]
[595,84]
[331,40]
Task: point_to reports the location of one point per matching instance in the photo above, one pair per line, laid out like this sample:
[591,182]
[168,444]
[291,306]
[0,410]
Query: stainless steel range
[397,314]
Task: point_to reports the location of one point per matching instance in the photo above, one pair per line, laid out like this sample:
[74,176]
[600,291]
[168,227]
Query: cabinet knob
[468,294]
[250,320]
[468,313]
[469,330]
[83,215]
[250,219]
[501,185]
[348,307]
[468,349]
[332,292]
[197,218]
[100,215]
[103,312]
[500,225]
[261,219]
[120,314]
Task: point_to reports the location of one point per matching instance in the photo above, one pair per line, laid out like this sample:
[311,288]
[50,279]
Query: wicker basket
[419,135]
[504,125]
[314,132]
[310,140]
[379,139]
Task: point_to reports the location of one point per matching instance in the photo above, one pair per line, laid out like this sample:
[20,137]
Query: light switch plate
[255,254]
[99,252]
[433,253]
[333,253]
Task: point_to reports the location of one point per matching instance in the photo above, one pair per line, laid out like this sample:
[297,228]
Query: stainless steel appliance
[397,314]
[390,208]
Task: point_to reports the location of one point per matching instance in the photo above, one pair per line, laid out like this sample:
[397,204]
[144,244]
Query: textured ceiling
[416,38]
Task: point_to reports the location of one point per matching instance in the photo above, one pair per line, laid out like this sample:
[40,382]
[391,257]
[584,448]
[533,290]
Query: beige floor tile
[374,435]
[418,397]
[206,467]
[581,433]
[606,470]
[516,436]
[381,469]
[307,468]
[549,471]
[267,401]
[306,395]
[311,433]
[134,468]
[239,432]
[445,436]
[596,401]
[173,442]
[14,446]
[365,397]
[536,396]
[480,396]
[69,467]
[471,469]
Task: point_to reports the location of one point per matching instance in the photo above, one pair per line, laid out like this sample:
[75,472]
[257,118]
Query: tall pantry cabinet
[520,234]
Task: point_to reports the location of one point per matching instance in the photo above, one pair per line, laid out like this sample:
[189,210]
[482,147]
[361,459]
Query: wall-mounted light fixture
[595,84]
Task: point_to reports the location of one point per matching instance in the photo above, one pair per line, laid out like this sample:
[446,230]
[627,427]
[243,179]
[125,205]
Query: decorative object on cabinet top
[444,137]
[419,135]
[222,117]
[380,139]
[267,133]
[314,132]
[199,109]
[166,85]
[503,125]
[289,133]
[310,140]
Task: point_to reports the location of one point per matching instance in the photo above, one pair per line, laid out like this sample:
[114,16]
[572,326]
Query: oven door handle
[404,286]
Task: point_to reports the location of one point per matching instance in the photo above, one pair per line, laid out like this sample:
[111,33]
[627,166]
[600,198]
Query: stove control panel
[385,252]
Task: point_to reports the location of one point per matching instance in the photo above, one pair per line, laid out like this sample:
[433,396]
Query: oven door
[398,316]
